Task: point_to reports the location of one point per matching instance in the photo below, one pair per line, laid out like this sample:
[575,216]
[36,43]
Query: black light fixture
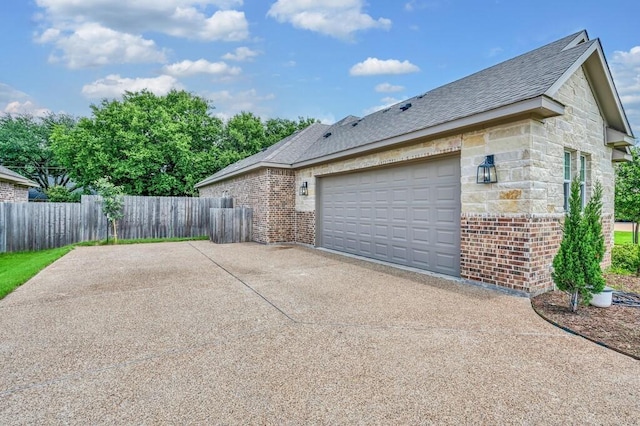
[304,188]
[487,171]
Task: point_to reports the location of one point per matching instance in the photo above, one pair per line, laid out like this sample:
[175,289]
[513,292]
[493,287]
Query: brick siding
[516,251]
[10,192]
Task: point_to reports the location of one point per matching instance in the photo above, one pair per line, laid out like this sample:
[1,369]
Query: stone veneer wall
[525,207]
[11,192]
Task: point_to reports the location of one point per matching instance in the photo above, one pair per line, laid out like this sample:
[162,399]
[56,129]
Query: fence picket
[37,226]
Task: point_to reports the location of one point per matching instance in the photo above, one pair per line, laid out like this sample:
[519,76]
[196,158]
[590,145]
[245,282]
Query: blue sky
[286,58]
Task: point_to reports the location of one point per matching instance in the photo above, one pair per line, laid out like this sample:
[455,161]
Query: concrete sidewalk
[197,333]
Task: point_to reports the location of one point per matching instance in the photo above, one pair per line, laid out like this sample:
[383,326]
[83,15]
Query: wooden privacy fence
[231,225]
[37,226]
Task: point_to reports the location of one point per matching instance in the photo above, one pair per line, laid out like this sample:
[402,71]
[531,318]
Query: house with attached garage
[470,179]
[14,187]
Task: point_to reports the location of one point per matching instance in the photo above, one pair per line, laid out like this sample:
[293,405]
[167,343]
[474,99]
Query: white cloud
[94,45]
[201,66]
[113,86]
[229,103]
[375,66]
[79,30]
[335,18]
[386,103]
[625,67]
[241,54]
[27,108]
[388,88]
[16,102]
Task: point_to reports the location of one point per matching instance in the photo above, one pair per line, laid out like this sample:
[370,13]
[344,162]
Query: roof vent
[326,135]
[355,124]
[386,110]
[405,106]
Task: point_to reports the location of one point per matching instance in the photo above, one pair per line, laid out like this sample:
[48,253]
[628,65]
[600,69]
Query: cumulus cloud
[25,108]
[335,18]
[229,103]
[93,45]
[375,66]
[625,67]
[201,66]
[78,30]
[388,88]
[16,102]
[113,86]
[241,54]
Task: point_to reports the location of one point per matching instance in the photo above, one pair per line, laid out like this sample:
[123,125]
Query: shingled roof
[525,84]
[11,176]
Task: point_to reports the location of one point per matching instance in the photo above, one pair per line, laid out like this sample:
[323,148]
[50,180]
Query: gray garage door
[406,214]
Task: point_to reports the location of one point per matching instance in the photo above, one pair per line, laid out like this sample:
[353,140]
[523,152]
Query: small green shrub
[626,257]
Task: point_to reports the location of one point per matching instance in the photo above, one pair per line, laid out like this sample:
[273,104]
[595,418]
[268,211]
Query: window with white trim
[583,180]
[567,179]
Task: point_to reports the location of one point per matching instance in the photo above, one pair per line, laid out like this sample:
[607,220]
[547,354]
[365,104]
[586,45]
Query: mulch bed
[617,327]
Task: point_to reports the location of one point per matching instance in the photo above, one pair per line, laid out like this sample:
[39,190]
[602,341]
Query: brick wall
[513,251]
[305,227]
[516,251]
[270,193]
[10,192]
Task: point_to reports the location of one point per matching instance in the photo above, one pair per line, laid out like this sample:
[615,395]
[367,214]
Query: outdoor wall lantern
[304,188]
[487,171]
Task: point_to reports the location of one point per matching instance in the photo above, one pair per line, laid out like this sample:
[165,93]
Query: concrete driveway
[197,333]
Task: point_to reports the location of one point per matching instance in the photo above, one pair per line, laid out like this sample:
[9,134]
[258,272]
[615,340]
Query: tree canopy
[161,145]
[627,201]
[25,146]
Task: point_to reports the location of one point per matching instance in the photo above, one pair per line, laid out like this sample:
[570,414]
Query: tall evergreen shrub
[576,266]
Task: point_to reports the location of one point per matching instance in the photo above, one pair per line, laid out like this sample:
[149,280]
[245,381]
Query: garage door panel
[406,214]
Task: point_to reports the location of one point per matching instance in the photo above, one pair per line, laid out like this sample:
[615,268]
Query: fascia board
[244,170]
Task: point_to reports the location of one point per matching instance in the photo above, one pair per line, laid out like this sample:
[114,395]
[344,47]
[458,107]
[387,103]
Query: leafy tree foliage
[576,266]
[25,146]
[112,202]
[148,144]
[161,145]
[627,201]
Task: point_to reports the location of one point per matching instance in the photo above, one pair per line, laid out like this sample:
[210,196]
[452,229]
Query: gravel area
[198,333]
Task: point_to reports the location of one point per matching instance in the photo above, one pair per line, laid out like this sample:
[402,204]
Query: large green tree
[627,201]
[147,144]
[25,146]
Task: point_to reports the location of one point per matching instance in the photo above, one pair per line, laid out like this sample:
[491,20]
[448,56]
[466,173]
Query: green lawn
[17,268]
[622,237]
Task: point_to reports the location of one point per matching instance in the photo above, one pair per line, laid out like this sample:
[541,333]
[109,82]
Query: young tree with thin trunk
[112,203]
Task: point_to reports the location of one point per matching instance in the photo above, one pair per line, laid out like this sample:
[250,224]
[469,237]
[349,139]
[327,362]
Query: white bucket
[603,299]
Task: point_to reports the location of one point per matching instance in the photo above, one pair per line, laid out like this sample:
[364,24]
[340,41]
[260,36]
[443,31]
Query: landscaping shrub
[626,258]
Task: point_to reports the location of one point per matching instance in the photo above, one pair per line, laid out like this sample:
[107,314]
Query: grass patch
[622,237]
[141,241]
[17,268]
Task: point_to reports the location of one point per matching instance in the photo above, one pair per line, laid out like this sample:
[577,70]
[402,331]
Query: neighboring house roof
[522,86]
[16,178]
